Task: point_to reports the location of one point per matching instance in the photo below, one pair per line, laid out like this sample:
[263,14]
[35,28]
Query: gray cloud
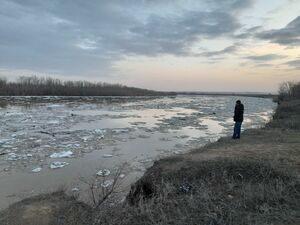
[227,50]
[289,35]
[248,32]
[78,36]
[267,57]
[294,63]
[264,65]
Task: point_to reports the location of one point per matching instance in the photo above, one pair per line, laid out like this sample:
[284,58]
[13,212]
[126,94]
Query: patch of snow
[107,183]
[75,189]
[103,173]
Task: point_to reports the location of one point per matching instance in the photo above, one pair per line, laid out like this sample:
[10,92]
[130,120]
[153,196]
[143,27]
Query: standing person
[238,119]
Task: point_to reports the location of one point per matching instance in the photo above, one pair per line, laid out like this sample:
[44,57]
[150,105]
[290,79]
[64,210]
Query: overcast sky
[192,45]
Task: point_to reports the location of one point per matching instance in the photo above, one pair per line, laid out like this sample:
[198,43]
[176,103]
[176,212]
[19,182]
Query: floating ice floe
[13,157]
[103,173]
[107,156]
[144,136]
[107,183]
[87,138]
[63,154]
[165,139]
[99,131]
[53,122]
[53,106]
[120,131]
[56,165]
[36,170]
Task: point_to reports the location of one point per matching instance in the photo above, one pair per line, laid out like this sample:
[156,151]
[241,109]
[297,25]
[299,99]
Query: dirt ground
[281,147]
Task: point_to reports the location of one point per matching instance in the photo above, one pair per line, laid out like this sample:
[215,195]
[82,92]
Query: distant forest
[47,86]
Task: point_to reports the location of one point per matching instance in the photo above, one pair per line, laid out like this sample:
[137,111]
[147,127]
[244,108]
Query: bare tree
[101,188]
[41,86]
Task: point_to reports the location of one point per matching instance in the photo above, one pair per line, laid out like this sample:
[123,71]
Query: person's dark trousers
[237,130]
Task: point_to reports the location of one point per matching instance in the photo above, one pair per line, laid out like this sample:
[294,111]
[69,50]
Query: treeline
[289,90]
[47,86]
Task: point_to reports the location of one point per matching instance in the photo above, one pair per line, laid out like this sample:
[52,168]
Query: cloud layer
[78,35]
[90,38]
[289,35]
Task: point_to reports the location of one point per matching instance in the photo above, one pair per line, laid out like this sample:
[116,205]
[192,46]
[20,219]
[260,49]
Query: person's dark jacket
[238,113]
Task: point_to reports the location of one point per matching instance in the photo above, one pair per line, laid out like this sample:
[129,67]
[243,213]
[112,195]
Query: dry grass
[49,209]
[223,192]
[287,115]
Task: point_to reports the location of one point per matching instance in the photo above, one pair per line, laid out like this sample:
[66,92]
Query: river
[84,137]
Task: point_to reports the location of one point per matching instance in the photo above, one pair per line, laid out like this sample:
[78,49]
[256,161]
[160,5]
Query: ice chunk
[107,183]
[120,131]
[107,156]
[63,154]
[36,170]
[87,138]
[53,106]
[103,173]
[53,122]
[56,165]
[100,131]
[13,157]
[143,136]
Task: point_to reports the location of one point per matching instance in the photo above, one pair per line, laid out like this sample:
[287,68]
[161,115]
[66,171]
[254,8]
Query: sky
[172,45]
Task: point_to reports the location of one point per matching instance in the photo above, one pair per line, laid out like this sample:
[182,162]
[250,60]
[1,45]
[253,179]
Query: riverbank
[254,180]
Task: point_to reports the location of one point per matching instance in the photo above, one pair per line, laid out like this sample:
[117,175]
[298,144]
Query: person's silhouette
[238,119]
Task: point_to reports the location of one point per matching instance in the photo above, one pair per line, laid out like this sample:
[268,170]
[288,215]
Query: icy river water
[44,146]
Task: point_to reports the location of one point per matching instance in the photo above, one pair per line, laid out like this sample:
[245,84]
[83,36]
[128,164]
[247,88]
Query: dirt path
[273,145]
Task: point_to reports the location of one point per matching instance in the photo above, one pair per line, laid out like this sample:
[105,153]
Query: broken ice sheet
[56,165]
[63,154]
[103,173]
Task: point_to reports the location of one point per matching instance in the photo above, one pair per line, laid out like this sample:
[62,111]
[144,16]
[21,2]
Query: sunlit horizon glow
[191,45]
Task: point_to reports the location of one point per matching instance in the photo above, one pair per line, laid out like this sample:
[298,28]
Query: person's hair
[238,101]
